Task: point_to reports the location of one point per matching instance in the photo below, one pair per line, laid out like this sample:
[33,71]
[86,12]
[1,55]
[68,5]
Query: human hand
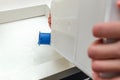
[106,57]
[49,20]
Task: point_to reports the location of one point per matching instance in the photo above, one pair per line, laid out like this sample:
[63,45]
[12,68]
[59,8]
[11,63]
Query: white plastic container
[72,22]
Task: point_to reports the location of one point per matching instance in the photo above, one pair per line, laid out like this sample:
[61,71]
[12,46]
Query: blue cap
[44,38]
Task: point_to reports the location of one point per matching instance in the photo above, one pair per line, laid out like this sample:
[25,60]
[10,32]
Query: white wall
[12,10]
[13,4]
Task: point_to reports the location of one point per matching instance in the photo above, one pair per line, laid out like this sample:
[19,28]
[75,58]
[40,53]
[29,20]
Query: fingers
[49,20]
[118,3]
[107,30]
[99,51]
[106,66]
[96,76]
[106,57]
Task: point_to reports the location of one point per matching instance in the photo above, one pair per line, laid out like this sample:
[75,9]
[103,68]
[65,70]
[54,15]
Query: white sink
[21,58]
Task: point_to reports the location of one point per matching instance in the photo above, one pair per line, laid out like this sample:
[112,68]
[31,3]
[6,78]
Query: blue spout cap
[44,38]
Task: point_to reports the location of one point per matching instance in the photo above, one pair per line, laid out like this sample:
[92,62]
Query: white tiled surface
[20,56]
